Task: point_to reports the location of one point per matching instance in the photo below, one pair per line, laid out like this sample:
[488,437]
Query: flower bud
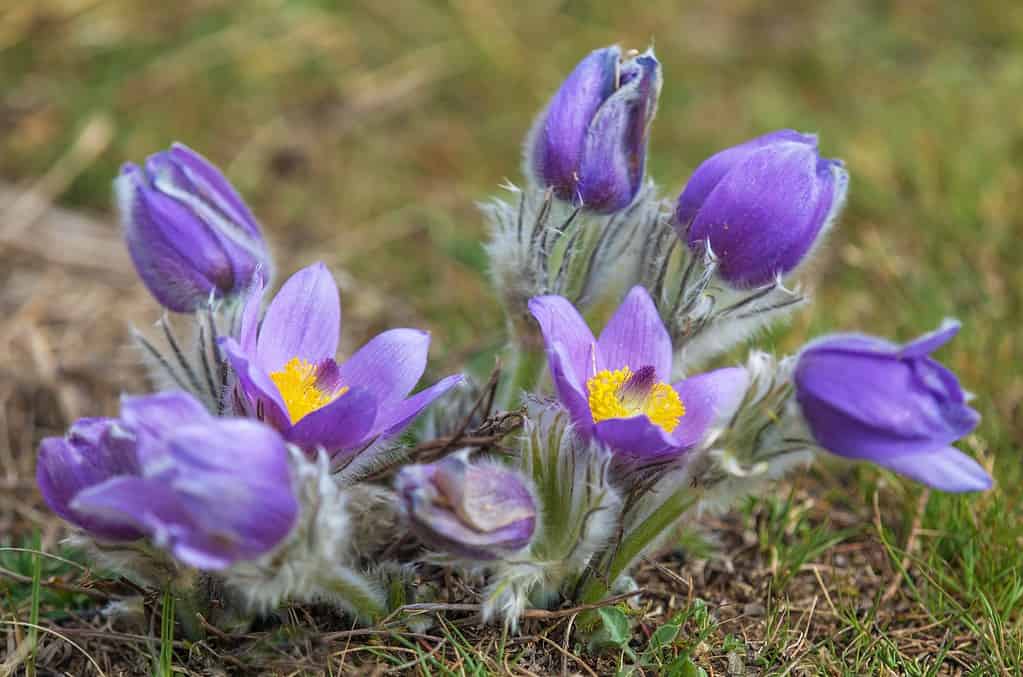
[476,511]
[187,230]
[589,145]
[761,205]
[865,398]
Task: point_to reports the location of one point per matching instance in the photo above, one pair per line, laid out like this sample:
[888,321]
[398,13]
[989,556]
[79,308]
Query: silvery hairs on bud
[194,363]
[762,440]
[579,511]
[542,245]
[705,316]
[317,561]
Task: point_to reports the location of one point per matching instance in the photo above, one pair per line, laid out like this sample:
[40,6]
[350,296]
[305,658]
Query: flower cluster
[267,461]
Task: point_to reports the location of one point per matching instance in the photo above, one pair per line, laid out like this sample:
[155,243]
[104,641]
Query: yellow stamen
[607,399]
[298,387]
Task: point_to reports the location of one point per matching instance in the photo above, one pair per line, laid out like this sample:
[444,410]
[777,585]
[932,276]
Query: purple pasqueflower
[287,375]
[189,233]
[589,144]
[478,511]
[761,205]
[211,491]
[865,398]
[615,387]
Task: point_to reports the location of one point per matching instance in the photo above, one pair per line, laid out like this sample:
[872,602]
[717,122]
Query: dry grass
[363,136]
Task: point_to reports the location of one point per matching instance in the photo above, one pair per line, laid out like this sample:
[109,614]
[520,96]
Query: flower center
[623,394]
[304,388]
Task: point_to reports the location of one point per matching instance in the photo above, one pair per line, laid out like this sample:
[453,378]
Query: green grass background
[363,133]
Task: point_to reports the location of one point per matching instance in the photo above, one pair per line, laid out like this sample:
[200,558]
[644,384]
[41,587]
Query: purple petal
[707,398]
[261,395]
[561,323]
[928,343]
[248,325]
[635,337]
[614,155]
[303,320]
[341,425]
[571,390]
[636,438]
[947,469]
[390,365]
[178,259]
[153,417]
[213,186]
[711,170]
[92,453]
[150,506]
[559,140]
[393,420]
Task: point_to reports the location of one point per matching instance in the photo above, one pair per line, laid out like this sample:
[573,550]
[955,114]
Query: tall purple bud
[478,511]
[188,231]
[761,205]
[589,144]
[867,399]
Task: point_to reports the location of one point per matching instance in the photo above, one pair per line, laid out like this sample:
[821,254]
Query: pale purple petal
[707,398]
[261,395]
[398,415]
[390,365]
[303,320]
[343,424]
[248,326]
[561,323]
[90,454]
[635,337]
[947,469]
[571,390]
[928,343]
[151,417]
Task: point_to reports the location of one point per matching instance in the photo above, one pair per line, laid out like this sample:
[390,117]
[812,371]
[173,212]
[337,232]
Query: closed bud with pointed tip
[761,205]
[190,235]
[589,144]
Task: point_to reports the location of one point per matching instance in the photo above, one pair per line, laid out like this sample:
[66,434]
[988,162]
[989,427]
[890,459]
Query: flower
[865,398]
[287,375]
[589,144]
[211,491]
[472,510]
[188,232]
[761,205]
[615,387]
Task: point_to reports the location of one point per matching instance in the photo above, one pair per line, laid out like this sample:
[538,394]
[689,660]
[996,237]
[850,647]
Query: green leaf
[663,637]
[683,666]
[616,625]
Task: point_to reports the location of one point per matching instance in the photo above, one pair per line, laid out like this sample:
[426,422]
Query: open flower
[211,491]
[188,231]
[472,510]
[615,387]
[288,377]
[868,399]
[589,145]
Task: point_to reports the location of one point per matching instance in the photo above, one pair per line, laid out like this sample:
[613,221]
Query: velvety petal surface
[397,416]
[946,468]
[558,141]
[390,365]
[153,417]
[303,320]
[707,398]
[561,323]
[343,424]
[261,395]
[635,337]
[711,170]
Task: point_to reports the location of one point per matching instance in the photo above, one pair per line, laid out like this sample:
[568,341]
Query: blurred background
[363,133]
